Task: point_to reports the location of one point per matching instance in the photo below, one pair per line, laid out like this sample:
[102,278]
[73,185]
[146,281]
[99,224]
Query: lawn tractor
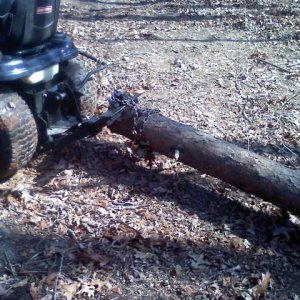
[46,98]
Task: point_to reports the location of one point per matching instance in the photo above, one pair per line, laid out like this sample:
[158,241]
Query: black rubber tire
[74,73]
[18,134]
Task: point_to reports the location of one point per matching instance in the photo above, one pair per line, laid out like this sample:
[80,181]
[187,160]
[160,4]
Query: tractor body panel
[25,24]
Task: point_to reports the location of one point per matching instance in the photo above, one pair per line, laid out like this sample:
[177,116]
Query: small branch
[245,116]
[33,272]
[289,150]
[277,67]
[57,278]
[124,206]
[11,268]
[248,85]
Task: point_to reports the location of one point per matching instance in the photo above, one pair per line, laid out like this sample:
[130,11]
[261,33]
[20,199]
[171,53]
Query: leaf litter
[124,231]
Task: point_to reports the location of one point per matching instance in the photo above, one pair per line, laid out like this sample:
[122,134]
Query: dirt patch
[94,222]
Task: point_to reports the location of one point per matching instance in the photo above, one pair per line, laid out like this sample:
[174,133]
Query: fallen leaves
[68,290]
[189,291]
[260,290]
[89,288]
[165,233]
[226,281]
[197,261]
[239,244]
[35,291]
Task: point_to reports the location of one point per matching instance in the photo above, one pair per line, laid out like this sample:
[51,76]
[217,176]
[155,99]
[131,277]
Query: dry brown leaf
[49,278]
[11,199]
[138,92]
[260,290]
[34,291]
[237,243]
[116,290]
[190,291]
[98,284]
[226,281]
[69,290]
[34,219]
[62,228]
[43,225]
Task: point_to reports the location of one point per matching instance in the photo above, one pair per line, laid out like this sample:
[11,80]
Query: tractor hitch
[90,127]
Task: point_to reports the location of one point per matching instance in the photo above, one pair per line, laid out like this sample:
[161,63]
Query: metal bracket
[89,127]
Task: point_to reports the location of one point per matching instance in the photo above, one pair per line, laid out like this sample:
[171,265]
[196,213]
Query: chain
[145,114]
[140,116]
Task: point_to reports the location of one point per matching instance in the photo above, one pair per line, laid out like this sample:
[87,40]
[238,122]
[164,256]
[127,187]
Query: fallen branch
[275,66]
[11,267]
[243,169]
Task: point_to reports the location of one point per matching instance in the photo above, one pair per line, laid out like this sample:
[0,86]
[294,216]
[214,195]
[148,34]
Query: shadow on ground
[189,190]
[120,249]
[172,12]
[133,257]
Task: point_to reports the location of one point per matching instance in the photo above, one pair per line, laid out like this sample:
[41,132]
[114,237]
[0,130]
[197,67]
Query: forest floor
[94,222]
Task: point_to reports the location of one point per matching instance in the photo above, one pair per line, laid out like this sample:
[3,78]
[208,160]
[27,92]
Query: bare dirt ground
[93,222]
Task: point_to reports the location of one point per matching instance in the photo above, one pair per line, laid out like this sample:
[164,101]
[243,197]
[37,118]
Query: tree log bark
[243,169]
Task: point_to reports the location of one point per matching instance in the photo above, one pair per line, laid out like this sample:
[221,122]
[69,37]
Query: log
[241,168]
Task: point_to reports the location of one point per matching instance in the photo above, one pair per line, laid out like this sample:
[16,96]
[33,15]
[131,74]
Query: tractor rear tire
[74,73]
[18,134]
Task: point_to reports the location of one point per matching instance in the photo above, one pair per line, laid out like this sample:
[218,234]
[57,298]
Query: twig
[123,206]
[248,85]
[236,84]
[33,272]
[242,111]
[33,257]
[57,277]
[130,227]
[245,115]
[31,214]
[20,212]
[279,68]
[37,261]
[11,268]
[292,97]
[290,150]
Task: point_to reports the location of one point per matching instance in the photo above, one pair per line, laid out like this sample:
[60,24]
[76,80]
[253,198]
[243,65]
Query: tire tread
[18,134]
